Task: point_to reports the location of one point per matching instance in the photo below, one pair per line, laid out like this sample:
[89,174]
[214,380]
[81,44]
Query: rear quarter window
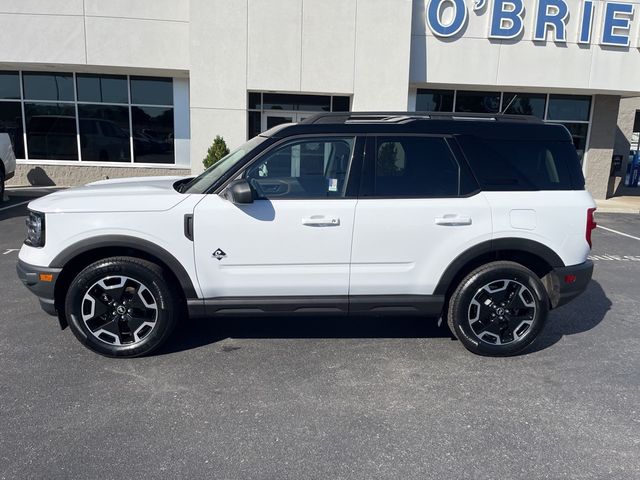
[515,164]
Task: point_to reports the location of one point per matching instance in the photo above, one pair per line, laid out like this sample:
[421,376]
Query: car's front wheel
[498,309]
[121,307]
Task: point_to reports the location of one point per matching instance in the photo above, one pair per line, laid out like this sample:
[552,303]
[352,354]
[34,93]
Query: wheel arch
[76,257]
[534,255]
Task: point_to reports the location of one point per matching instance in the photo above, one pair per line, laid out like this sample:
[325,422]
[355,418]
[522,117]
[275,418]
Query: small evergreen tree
[217,151]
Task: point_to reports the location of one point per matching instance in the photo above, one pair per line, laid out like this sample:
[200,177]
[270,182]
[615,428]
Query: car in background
[7,162]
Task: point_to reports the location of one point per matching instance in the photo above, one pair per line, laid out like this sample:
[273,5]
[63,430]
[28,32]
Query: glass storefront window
[152,134]
[151,91]
[102,88]
[478,102]
[340,104]
[270,109]
[11,124]
[569,107]
[104,133]
[524,104]
[579,133]
[294,102]
[9,85]
[48,86]
[51,131]
[434,100]
[88,117]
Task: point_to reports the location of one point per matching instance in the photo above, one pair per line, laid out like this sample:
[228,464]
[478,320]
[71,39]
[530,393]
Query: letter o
[434,20]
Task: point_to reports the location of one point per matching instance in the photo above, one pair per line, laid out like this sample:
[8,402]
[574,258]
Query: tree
[217,151]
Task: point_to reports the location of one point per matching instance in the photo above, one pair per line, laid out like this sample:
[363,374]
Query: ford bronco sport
[483,220]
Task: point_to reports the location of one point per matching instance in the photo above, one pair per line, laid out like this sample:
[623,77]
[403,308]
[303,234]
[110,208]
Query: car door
[415,214]
[294,240]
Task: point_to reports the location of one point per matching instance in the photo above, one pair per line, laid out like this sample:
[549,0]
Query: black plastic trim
[496,245]
[560,292]
[30,277]
[188,226]
[9,175]
[425,305]
[124,241]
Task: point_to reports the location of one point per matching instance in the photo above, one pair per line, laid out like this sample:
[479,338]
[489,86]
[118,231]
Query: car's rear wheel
[498,309]
[121,307]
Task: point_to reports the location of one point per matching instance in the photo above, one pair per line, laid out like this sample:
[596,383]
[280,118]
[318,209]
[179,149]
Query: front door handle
[321,221]
[453,220]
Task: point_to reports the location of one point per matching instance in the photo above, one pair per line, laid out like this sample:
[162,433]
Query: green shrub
[217,151]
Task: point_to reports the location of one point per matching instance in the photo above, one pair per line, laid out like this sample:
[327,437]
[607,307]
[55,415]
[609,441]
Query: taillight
[591,225]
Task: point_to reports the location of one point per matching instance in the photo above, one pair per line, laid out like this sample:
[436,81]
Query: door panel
[273,247]
[401,247]
[295,238]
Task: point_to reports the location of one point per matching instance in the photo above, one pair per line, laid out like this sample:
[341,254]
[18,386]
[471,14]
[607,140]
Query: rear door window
[410,166]
[500,164]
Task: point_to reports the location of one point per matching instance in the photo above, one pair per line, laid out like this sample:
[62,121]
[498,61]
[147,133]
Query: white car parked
[7,162]
[481,219]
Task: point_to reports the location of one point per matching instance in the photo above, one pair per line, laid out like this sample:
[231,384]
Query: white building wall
[350,47]
[470,58]
[141,34]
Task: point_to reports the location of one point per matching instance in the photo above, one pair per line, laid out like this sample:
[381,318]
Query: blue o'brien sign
[550,22]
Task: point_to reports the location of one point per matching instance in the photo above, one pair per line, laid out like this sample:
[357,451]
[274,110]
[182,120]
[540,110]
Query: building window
[524,104]
[88,117]
[434,100]
[11,122]
[572,111]
[267,110]
[477,102]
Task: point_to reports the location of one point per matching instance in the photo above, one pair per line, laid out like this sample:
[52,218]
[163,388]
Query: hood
[140,194]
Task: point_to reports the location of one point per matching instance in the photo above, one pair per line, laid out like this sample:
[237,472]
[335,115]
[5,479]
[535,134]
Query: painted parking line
[25,202]
[10,250]
[615,258]
[619,233]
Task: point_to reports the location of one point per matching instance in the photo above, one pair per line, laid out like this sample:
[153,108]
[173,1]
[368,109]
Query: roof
[513,127]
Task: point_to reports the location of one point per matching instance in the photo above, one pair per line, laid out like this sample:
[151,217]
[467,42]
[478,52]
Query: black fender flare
[124,241]
[524,245]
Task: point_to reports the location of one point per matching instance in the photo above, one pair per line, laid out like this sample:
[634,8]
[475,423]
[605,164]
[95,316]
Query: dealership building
[93,89]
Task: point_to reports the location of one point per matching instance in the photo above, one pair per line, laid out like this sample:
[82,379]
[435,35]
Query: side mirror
[240,192]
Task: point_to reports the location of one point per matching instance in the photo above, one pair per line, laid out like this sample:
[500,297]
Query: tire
[498,309]
[122,307]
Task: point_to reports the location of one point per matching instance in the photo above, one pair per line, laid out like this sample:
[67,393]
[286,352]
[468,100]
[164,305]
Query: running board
[422,305]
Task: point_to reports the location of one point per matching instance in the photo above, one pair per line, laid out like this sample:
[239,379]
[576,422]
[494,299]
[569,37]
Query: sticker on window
[333,184]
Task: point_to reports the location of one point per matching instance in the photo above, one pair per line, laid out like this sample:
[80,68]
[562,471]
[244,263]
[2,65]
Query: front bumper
[41,285]
[566,283]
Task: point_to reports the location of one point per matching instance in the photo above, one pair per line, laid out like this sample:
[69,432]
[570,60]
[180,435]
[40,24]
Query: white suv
[7,162]
[484,220]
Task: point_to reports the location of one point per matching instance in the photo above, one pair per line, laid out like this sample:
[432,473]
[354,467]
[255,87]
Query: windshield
[202,182]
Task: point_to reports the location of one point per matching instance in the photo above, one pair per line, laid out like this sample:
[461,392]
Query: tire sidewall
[150,279]
[468,290]
[2,186]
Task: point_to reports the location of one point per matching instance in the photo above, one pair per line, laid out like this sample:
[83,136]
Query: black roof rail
[404,117]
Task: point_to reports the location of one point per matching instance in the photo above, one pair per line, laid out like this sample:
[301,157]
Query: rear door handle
[321,221]
[453,220]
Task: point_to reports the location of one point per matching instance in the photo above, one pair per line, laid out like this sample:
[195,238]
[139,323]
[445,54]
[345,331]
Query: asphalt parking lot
[326,398]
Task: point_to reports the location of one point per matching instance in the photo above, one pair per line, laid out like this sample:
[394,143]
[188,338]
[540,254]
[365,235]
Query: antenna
[515,95]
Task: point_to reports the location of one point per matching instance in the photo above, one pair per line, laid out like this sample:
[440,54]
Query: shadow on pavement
[583,314]
[201,332]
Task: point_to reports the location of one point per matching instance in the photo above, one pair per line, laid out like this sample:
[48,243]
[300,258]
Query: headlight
[35,229]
